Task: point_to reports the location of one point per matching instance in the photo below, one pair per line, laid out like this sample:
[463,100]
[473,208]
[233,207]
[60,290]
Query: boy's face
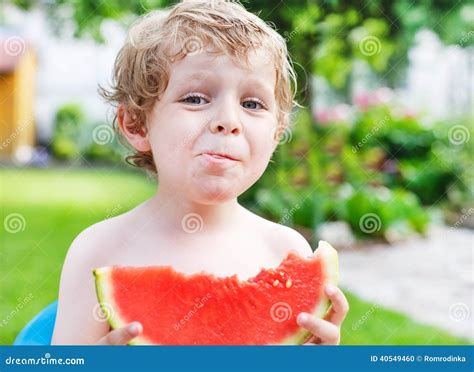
[212,105]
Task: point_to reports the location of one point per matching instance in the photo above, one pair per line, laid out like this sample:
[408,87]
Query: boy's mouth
[219,155]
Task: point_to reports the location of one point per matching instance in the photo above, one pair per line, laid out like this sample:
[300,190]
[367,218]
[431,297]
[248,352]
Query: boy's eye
[194,100]
[252,104]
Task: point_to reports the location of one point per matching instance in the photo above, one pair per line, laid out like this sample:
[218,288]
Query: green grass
[370,324]
[56,204]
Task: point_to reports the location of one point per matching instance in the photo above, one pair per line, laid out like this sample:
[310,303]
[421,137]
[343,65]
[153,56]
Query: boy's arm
[78,317]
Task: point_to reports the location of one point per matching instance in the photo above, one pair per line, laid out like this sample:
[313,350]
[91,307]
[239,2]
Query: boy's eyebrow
[202,76]
[259,84]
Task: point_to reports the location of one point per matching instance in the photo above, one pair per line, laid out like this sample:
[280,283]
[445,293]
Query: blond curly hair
[141,69]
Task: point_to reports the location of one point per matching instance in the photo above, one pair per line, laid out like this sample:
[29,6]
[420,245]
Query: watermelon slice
[202,309]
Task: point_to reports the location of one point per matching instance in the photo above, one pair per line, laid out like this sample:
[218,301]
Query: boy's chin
[214,194]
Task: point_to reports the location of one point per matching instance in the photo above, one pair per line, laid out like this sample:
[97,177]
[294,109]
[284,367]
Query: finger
[313,340]
[326,331]
[339,305]
[122,336]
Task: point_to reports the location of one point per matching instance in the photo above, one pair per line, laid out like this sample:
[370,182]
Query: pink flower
[322,116]
[381,96]
[339,113]
[362,100]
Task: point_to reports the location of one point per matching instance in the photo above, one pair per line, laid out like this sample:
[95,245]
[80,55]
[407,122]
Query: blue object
[39,331]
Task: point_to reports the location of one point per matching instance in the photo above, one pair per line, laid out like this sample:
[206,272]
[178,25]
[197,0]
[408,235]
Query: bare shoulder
[287,239]
[94,242]
[282,238]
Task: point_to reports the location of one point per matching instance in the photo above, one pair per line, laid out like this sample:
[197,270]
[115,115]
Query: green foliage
[378,161]
[75,138]
[102,153]
[379,211]
[67,124]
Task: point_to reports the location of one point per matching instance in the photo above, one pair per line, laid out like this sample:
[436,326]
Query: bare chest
[243,253]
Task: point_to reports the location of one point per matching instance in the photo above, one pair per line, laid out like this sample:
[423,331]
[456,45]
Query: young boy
[203,91]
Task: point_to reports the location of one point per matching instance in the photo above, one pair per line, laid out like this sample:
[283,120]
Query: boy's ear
[134,133]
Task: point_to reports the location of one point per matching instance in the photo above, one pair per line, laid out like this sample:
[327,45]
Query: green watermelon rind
[331,267]
[104,291]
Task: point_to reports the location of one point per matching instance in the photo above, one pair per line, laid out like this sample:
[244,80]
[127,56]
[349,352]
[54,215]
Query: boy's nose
[226,122]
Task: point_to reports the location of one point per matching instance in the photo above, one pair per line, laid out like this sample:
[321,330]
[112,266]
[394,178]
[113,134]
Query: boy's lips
[217,161]
[219,155]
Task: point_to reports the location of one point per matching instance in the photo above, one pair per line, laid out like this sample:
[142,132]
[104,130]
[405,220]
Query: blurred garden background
[378,160]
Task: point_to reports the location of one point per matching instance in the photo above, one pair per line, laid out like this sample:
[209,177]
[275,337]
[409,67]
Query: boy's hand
[326,331]
[121,336]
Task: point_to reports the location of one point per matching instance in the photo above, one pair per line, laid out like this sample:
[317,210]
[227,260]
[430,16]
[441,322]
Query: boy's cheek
[264,144]
[166,143]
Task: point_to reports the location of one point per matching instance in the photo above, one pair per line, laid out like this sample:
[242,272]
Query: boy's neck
[177,214]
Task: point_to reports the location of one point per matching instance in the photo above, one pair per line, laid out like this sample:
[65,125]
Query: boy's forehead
[208,62]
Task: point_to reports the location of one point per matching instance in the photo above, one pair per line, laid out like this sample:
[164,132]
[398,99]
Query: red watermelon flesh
[202,309]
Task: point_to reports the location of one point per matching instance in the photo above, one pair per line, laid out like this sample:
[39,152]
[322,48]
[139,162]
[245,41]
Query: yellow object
[17,91]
